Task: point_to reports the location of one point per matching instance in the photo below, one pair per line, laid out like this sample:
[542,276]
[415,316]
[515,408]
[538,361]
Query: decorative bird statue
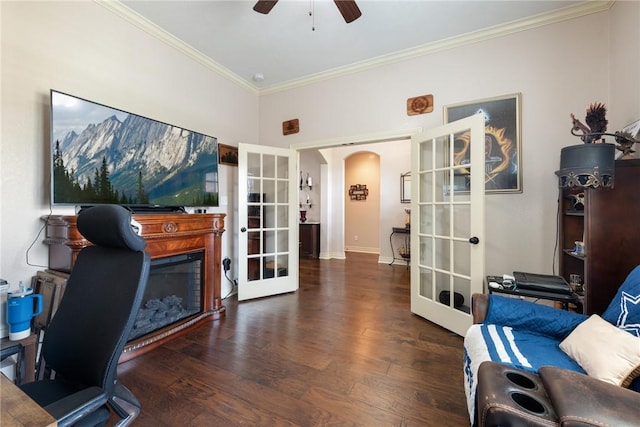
[625,141]
[596,124]
[596,128]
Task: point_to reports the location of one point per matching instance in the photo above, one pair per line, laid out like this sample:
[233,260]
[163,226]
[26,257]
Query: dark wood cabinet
[609,225]
[309,240]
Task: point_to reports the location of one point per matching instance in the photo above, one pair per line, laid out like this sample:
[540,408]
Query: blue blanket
[520,334]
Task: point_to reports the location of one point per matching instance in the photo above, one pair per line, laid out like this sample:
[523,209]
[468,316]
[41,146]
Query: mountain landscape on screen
[132,160]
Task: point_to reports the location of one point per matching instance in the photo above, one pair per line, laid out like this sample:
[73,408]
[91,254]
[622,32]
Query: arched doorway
[362,202]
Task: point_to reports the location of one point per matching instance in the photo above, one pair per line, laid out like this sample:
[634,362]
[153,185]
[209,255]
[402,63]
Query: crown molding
[559,15]
[164,36]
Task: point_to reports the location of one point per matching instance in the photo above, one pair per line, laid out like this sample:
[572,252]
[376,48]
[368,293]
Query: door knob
[243,229]
[474,240]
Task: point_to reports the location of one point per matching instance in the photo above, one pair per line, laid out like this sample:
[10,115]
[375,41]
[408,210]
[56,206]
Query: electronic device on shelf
[542,282]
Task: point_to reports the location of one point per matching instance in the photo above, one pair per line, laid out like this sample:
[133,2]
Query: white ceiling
[285,50]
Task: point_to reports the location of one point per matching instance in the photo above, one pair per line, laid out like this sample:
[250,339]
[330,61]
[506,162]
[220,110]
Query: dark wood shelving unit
[609,226]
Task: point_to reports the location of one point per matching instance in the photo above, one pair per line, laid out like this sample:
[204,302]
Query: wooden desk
[17,409]
[29,346]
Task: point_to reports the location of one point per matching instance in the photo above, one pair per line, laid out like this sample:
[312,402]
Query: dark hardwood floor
[344,350]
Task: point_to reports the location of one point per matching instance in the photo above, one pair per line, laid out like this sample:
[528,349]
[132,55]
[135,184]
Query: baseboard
[362,249]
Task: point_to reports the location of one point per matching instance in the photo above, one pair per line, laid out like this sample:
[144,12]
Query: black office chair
[86,336]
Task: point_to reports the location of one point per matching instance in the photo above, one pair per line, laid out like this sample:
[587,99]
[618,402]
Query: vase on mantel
[303,216]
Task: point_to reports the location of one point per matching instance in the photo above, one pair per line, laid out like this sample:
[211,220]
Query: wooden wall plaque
[419,105]
[290,127]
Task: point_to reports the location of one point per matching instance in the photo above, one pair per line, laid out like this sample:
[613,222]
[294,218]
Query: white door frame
[339,142]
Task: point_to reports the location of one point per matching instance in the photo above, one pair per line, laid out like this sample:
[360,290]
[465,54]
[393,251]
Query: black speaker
[458,299]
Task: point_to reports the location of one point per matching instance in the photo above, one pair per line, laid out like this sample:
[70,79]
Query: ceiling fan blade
[349,9]
[264,6]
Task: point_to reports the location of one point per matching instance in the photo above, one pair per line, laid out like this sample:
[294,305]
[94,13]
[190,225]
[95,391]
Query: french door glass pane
[426,181]
[426,250]
[461,220]
[283,260]
[283,167]
[426,283]
[269,190]
[253,164]
[442,152]
[442,186]
[283,241]
[269,241]
[444,220]
[442,254]
[426,219]
[268,166]
[442,283]
[283,216]
[426,156]
[282,192]
[461,255]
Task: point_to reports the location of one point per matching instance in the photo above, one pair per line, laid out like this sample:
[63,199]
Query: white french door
[267,212]
[447,221]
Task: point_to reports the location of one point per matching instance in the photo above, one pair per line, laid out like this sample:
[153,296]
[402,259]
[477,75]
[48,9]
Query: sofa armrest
[580,400]
[479,307]
[524,315]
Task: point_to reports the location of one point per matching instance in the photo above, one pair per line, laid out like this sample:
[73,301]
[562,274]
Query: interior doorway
[362,202]
[393,149]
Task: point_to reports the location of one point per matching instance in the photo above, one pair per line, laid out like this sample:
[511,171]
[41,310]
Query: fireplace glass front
[173,292]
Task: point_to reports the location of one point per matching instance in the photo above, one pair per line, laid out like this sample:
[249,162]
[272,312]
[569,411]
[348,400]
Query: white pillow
[604,351]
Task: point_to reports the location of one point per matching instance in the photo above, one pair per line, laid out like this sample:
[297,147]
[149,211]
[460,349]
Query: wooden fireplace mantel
[166,235]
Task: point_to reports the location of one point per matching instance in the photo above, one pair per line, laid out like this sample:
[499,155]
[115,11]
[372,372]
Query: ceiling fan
[348,8]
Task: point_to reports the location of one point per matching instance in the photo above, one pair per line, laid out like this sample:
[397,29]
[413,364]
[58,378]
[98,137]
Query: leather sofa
[526,364]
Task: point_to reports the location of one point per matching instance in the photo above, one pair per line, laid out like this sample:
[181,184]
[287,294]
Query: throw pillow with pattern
[624,309]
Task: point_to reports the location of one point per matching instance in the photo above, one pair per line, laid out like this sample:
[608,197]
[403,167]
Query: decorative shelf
[573,254]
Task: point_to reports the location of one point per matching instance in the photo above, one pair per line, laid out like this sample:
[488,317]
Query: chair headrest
[109,225]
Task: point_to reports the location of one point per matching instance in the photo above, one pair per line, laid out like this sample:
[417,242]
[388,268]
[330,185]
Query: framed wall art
[358,192]
[503,145]
[228,155]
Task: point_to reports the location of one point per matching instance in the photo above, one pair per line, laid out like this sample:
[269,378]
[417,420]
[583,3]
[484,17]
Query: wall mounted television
[102,155]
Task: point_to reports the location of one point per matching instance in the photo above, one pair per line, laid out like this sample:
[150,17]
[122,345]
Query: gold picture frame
[503,142]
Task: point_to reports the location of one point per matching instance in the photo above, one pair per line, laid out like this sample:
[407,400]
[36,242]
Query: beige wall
[552,66]
[84,49]
[362,217]
[394,158]
[623,65]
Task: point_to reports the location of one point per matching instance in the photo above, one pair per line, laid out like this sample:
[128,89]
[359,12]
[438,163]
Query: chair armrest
[72,408]
[580,400]
[479,307]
